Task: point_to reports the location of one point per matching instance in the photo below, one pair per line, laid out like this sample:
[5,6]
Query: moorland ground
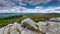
[18,18]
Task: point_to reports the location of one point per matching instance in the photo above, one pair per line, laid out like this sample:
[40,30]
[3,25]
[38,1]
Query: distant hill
[11,18]
[7,14]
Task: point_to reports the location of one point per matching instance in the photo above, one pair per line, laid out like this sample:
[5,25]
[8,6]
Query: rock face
[55,19]
[53,26]
[28,26]
[42,26]
[16,29]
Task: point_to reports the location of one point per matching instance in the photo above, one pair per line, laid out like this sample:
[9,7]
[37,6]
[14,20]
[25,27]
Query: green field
[18,18]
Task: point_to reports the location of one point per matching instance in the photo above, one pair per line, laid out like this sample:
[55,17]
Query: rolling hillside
[18,18]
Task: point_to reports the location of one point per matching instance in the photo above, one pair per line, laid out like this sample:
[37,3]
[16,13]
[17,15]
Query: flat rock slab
[53,28]
[28,32]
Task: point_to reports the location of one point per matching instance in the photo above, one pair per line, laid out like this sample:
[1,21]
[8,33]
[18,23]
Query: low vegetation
[18,18]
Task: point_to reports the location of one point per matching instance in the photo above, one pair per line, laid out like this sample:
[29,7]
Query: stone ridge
[28,26]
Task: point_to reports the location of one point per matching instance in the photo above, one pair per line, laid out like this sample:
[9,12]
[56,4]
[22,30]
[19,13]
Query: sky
[29,6]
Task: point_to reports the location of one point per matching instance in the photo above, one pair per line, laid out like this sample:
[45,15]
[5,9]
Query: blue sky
[52,3]
[29,6]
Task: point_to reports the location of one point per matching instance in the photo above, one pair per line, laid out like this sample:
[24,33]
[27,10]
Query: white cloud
[58,0]
[53,10]
[9,6]
[10,3]
[38,9]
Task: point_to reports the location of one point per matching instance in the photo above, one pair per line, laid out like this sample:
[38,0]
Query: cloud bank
[16,6]
[38,9]
[11,3]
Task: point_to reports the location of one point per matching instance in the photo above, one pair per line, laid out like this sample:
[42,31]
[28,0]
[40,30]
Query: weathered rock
[10,29]
[57,19]
[14,32]
[1,30]
[16,28]
[42,26]
[29,24]
[53,28]
[26,31]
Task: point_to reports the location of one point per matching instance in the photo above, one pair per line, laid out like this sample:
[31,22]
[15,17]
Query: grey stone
[26,31]
[53,28]
[56,19]
[16,28]
[28,26]
[1,30]
[42,26]
[28,23]
[14,32]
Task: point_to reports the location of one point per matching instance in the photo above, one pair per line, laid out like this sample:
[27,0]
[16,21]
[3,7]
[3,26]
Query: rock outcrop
[28,26]
[42,26]
[53,26]
[55,19]
[28,23]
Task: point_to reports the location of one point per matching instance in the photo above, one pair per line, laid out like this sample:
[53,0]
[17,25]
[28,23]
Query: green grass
[18,18]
